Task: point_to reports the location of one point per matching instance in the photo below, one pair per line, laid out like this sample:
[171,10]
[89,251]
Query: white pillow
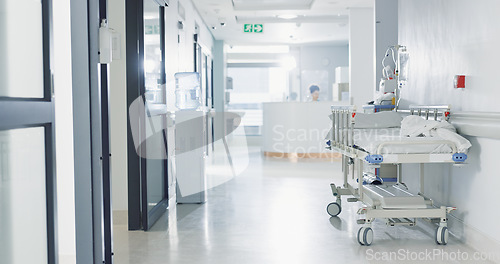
[378,120]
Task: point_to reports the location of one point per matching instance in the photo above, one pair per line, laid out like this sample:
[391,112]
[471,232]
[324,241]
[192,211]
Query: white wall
[118,109]
[386,32]
[445,38]
[172,55]
[361,55]
[323,58]
[64,131]
[179,57]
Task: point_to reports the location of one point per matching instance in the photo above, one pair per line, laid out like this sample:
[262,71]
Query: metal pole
[422,188]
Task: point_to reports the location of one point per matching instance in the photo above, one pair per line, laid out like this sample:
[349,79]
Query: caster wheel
[365,236]
[442,234]
[333,209]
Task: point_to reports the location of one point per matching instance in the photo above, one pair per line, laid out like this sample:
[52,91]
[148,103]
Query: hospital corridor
[269,214]
[249,131]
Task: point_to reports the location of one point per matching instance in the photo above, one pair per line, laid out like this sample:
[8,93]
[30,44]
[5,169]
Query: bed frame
[390,201]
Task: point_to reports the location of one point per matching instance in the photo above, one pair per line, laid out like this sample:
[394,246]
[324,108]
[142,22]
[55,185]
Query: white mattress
[370,139]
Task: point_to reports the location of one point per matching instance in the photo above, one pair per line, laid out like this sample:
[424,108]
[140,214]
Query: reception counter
[296,129]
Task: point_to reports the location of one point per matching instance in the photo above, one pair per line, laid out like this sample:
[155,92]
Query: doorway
[148,182]
[27,149]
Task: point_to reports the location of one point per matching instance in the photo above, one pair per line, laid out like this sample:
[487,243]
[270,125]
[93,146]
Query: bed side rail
[342,136]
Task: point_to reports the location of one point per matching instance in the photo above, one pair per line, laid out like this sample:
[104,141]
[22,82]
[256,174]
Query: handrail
[477,124]
[441,107]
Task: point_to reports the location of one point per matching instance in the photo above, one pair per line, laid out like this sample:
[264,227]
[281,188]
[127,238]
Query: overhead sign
[247,28]
[258,28]
[253,28]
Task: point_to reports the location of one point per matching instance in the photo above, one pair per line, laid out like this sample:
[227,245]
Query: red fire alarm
[459,81]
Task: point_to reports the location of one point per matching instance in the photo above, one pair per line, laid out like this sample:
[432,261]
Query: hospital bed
[367,147]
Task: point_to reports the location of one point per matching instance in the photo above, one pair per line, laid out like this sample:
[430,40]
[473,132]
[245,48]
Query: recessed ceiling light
[287,16]
[259,49]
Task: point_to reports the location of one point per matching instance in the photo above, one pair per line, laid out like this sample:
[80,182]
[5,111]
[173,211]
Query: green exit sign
[253,28]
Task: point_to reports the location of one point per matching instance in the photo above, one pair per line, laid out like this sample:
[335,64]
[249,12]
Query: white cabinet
[190,142]
[342,75]
[340,92]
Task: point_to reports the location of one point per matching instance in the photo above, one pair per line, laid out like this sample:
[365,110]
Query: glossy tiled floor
[275,212]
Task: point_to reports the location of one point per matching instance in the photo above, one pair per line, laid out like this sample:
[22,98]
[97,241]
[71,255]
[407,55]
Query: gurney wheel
[333,209]
[442,234]
[365,236]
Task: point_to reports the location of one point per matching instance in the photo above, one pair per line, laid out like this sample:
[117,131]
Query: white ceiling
[317,21]
[271,4]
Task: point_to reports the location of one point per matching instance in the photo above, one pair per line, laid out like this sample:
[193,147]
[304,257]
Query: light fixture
[259,49]
[287,16]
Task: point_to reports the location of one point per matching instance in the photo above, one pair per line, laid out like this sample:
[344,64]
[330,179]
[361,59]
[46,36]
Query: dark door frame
[105,157]
[139,218]
[93,212]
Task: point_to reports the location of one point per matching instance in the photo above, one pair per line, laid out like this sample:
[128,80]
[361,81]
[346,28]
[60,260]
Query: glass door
[203,65]
[27,160]
[154,179]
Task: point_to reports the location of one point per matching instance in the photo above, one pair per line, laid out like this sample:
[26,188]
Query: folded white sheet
[415,126]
